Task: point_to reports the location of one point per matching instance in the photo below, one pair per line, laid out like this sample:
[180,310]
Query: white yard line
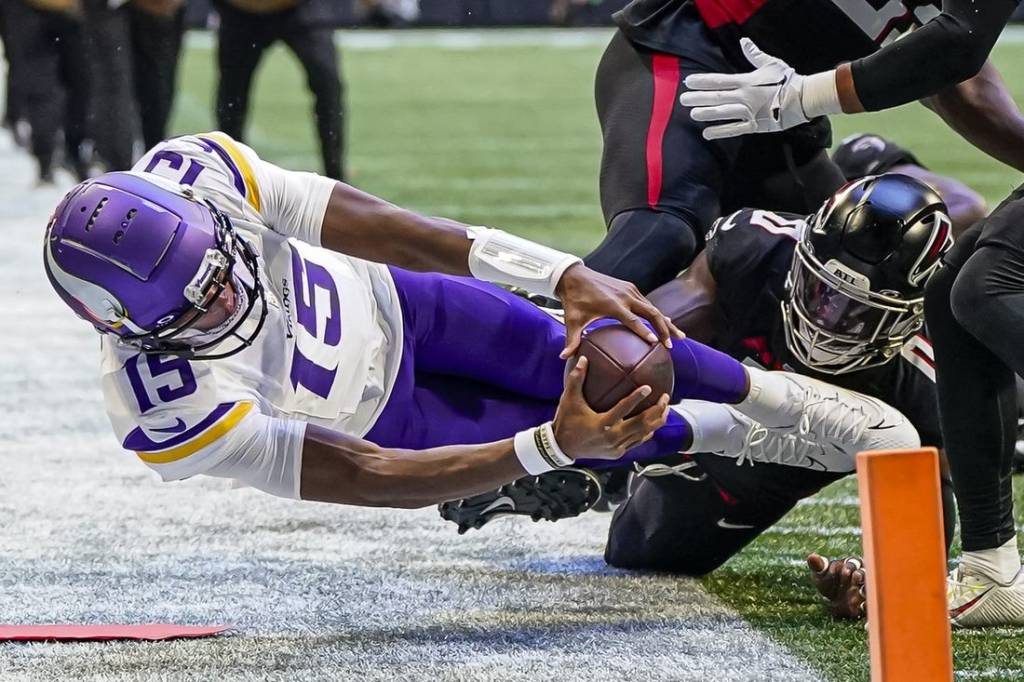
[988,673]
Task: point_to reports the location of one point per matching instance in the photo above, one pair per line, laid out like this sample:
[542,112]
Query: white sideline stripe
[1012,35]
[478,39]
[450,38]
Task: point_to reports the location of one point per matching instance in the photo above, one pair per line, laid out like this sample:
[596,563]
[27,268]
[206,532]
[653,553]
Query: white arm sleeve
[268,457]
[293,202]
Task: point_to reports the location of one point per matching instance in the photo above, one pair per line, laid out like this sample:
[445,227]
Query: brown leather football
[619,363]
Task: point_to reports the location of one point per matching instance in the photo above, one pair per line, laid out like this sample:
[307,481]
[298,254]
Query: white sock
[710,424]
[999,563]
[769,394]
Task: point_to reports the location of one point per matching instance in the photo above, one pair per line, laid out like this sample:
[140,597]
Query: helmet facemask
[231,260]
[835,323]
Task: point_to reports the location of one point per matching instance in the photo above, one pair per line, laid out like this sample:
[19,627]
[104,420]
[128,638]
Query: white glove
[770,98]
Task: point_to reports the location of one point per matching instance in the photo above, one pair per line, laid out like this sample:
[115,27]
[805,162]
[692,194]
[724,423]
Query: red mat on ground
[149,632]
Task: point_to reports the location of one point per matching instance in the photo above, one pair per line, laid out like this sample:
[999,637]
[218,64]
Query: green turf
[508,137]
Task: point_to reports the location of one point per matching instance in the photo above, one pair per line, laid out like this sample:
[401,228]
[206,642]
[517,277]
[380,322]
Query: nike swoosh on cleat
[722,523]
[178,427]
[498,504]
[953,613]
[819,463]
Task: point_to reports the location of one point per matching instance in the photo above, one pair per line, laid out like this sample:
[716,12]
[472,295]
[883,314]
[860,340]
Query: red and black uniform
[809,35]
[693,525]
[662,183]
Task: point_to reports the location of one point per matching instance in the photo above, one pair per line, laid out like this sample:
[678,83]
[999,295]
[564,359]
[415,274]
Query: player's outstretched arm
[947,50]
[347,470]
[983,112]
[365,226]
[691,301]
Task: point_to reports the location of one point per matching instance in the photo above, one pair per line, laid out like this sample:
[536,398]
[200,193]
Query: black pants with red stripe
[974,308]
[663,184]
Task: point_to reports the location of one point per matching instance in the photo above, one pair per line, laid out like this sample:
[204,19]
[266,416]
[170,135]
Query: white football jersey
[328,353]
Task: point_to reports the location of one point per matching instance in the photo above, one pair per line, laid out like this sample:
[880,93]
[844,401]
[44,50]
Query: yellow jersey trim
[252,190]
[217,430]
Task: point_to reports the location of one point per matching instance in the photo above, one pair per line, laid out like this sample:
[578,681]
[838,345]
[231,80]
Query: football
[619,363]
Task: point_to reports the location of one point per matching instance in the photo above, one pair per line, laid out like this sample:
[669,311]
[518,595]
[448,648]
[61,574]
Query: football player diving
[838,296]
[975,305]
[300,336]
[666,176]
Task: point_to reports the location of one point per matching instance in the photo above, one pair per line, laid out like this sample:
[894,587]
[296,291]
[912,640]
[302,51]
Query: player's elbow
[962,54]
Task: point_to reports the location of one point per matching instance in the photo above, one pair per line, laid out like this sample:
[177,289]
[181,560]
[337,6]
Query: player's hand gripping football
[841,582]
[582,432]
[766,100]
[587,295]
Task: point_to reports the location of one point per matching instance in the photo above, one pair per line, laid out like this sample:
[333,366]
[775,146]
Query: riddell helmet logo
[848,275]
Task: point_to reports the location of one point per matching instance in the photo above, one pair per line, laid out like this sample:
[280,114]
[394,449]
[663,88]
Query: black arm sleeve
[947,50]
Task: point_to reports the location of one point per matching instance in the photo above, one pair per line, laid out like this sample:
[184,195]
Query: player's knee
[677,236]
[670,525]
[650,553]
[973,299]
[646,247]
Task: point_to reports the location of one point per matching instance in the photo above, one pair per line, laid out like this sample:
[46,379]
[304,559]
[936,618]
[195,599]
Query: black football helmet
[855,290]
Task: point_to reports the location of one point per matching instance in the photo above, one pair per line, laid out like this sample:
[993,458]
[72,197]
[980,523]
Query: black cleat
[555,495]
[615,488]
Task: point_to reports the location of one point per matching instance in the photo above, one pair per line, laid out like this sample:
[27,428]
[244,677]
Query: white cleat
[751,442]
[978,601]
[835,417]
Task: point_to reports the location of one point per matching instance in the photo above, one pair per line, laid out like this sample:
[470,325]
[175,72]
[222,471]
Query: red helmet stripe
[939,242]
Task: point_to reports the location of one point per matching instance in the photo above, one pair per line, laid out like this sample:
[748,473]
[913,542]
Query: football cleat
[552,496]
[834,417]
[978,601]
[748,442]
[616,487]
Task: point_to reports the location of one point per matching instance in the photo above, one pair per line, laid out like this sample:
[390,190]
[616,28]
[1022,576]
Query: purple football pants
[480,364]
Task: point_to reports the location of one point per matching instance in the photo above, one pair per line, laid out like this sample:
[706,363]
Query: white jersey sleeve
[172,414]
[240,183]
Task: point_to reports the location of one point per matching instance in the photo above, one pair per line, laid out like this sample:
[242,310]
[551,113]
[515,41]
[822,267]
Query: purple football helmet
[142,258]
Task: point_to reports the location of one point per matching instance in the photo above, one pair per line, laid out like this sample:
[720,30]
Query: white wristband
[504,258]
[537,450]
[820,96]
